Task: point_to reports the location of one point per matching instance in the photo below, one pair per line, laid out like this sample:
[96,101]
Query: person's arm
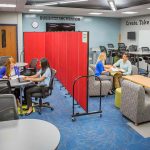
[129,70]
[35,79]
[2,72]
[117,64]
[34,76]
[99,69]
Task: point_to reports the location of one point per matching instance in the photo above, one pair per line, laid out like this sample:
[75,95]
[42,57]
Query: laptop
[21,80]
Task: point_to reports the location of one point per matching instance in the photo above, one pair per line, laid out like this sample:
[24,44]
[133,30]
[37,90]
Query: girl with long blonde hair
[101,70]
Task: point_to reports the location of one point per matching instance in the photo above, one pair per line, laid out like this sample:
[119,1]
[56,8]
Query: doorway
[8,40]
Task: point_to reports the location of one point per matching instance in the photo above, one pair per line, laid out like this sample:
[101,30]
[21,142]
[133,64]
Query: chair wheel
[73,119]
[52,108]
[100,115]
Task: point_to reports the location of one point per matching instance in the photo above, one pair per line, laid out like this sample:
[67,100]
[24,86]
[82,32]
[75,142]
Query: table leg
[138,62]
[21,100]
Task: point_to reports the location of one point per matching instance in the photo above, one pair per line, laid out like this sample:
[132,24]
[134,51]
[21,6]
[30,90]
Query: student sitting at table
[124,64]
[7,71]
[42,77]
[101,70]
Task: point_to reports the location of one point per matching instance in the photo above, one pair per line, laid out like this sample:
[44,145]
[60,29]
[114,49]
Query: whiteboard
[144,38]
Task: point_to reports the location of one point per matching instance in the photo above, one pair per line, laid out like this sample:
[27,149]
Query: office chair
[113,52]
[133,48]
[8,107]
[146,58]
[45,92]
[122,47]
[5,87]
[32,68]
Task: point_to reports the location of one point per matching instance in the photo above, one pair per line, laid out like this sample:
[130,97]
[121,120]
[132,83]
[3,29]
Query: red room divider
[67,52]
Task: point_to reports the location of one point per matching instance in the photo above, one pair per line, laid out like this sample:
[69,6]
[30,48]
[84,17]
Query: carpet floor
[92,132]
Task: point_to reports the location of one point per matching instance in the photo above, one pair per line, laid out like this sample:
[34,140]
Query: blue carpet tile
[109,132]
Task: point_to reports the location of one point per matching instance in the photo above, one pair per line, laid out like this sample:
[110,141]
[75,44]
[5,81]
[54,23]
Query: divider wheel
[73,119]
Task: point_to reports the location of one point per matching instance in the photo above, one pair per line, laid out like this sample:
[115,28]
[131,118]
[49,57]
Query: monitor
[60,27]
[131,36]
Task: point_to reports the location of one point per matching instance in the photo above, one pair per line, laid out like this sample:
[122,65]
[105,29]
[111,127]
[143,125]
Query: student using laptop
[9,69]
[42,77]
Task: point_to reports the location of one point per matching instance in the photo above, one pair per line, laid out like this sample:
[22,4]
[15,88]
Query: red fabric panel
[66,53]
[34,45]
[81,96]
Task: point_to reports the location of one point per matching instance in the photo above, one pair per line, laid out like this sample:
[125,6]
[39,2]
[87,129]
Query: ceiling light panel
[129,12]
[7,5]
[35,10]
[71,1]
[112,5]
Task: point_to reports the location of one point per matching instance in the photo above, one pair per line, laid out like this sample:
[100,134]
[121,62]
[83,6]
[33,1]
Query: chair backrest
[145,49]
[121,45]
[134,70]
[5,87]
[8,107]
[103,49]
[132,48]
[33,63]
[110,45]
[51,83]
[3,60]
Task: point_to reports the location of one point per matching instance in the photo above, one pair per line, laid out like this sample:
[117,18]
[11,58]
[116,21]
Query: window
[3,34]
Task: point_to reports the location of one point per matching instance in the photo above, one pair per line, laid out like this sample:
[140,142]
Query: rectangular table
[144,81]
[137,54]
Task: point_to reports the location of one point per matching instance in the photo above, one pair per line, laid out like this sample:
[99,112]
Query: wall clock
[35,24]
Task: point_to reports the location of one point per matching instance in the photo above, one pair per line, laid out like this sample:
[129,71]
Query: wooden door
[8,41]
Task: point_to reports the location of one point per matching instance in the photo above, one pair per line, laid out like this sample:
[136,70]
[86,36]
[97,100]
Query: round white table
[28,134]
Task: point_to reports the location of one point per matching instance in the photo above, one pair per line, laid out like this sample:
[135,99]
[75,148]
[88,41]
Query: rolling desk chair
[112,51]
[45,92]
[32,68]
[8,107]
[146,58]
[133,48]
[5,87]
[122,47]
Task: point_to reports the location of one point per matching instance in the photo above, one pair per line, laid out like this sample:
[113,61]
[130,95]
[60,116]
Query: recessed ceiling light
[129,12]
[112,5]
[35,10]
[71,1]
[148,8]
[47,4]
[7,5]
[95,13]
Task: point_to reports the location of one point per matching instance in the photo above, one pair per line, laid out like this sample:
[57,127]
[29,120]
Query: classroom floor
[110,132]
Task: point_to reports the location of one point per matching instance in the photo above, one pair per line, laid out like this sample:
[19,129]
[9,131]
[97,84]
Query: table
[28,134]
[138,54]
[15,83]
[21,64]
[144,81]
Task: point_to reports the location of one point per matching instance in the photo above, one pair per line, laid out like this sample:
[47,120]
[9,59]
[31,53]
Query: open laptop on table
[21,80]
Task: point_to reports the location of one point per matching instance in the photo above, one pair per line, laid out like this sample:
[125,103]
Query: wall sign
[84,37]
[46,17]
[139,22]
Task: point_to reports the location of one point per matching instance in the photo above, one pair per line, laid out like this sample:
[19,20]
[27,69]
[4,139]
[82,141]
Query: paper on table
[117,69]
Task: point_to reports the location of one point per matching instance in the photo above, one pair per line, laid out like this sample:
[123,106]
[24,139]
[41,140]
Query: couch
[135,102]
[94,86]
